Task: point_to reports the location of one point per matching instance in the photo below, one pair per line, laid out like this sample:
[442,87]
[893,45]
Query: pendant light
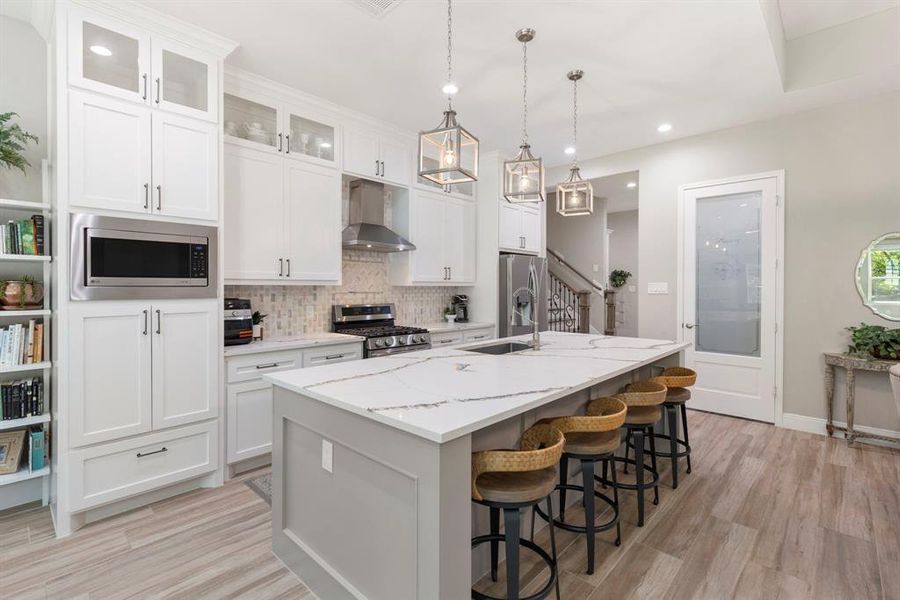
[448,154]
[575,196]
[523,177]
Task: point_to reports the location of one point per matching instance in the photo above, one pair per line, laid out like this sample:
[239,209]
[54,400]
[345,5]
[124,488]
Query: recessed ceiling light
[631,184]
[664,127]
[450,88]
[101,50]
[570,150]
[324,145]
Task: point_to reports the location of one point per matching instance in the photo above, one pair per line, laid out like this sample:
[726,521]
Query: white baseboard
[817,425]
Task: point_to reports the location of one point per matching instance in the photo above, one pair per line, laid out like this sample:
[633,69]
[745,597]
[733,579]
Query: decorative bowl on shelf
[21,295]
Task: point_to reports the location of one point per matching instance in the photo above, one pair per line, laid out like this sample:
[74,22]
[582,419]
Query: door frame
[779,270]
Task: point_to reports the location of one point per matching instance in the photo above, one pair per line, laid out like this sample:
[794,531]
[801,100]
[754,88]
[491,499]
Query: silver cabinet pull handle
[146,196]
[333,356]
[158,322]
[444,341]
[146,314]
[157,90]
[280,143]
[160,451]
[281,267]
[159,197]
[288,267]
[382,168]
[287,143]
[376,168]
[268,366]
[144,96]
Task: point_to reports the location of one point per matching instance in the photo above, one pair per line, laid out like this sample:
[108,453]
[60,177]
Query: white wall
[23,73]
[842,177]
[623,254]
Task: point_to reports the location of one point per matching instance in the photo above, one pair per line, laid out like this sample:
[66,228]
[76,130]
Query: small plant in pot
[618,278]
[450,314]
[21,294]
[258,319]
[874,341]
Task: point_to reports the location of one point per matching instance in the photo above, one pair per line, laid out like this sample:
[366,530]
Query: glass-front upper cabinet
[252,120]
[185,80]
[311,137]
[108,56]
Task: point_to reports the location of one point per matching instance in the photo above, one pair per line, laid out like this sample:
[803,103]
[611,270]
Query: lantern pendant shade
[523,178]
[448,154]
[575,196]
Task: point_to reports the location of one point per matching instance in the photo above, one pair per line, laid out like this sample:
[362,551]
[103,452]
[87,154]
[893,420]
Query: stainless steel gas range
[375,322]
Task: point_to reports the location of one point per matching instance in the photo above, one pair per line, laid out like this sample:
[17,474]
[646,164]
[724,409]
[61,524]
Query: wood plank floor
[767,513]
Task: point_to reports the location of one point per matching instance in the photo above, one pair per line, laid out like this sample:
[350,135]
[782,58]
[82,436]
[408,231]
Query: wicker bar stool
[510,480]
[591,439]
[677,380]
[643,400]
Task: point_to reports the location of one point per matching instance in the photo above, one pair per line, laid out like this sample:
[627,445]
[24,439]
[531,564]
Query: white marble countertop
[292,343]
[445,327]
[444,393]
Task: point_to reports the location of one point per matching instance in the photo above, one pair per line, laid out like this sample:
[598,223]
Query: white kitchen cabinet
[459,336]
[110,361]
[313,357]
[443,228]
[253,120]
[478,335]
[138,367]
[108,56]
[185,361]
[283,219]
[375,156]
[312,218]
[185,167]
[311,137]
[109,153]
[185,79]
[254,204]
[520,228]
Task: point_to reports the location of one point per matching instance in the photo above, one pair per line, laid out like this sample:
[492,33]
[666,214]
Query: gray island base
[371,491]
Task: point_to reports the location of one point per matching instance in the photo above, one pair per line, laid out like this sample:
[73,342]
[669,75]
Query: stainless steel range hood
[366,230]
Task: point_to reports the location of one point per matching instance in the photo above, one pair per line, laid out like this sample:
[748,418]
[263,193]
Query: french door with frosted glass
[729,294]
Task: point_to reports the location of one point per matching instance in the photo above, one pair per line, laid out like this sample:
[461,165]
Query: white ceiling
[802,17]
[614,188]
[700,64]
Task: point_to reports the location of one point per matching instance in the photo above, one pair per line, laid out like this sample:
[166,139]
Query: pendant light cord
[449,50]
[525,92]
[575,122]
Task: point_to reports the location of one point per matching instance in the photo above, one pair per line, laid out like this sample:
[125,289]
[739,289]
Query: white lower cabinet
[249,398]
[109,472]
[449,339]
[137,367]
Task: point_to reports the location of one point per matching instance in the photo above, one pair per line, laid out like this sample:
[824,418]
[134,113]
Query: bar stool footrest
[582,528]
[660,454]
[525,543]
[653,482]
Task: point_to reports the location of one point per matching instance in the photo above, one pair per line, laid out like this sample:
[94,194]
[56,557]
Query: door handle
[158,322]
[146,314]
[268,366]
[288,268]
[159,197]
[280,143]
[144,95]
[382,168]
[376,168]
[287,143]
[157,90]
[333,356]
[688,325]
[146,196]
[281,267]
[160,451]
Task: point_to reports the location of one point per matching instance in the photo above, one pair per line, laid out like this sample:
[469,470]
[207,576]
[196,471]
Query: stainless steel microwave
[122,259]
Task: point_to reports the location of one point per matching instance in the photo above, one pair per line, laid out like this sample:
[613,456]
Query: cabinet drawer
[253,366]
[477,335]
[332,354]
[110,472]
[439,340]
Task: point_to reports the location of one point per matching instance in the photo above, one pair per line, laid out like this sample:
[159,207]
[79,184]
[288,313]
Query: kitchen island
[376,454]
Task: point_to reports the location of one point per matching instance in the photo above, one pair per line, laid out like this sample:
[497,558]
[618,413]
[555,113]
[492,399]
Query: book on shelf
[22,344]
[25,236]
[37,449]
[22,398]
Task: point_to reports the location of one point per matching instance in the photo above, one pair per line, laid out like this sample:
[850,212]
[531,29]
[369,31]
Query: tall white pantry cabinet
[136,133]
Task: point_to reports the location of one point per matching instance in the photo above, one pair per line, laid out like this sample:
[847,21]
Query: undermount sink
[504,348]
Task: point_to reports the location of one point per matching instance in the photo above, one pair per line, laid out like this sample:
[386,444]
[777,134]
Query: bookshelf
[14,267]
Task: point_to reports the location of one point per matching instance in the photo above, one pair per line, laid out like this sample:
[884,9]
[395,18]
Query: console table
[851,364]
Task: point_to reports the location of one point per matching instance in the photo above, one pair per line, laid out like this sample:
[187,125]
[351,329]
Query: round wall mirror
[878,276]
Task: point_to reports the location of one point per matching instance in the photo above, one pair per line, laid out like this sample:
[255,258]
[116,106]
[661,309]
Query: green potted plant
[618,278]
[21,294]
[450,314]
[258,318]
[13,141]
[874,341]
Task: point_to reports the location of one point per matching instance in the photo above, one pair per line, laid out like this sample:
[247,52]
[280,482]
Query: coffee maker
[461,308]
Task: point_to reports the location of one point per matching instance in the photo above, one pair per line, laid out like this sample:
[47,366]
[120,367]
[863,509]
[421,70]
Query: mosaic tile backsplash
[295,310]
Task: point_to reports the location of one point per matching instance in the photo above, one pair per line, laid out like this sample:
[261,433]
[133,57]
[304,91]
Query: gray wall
[842,178]
[580,241]
[623,254]
[23,73]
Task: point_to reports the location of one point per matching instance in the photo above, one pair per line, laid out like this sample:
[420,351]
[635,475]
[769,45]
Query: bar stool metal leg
[587,475]
[495,545]
[672,424]
[628,436]
[638,437]
[511,523]
[615,487]
[563,480]
[687,441]
[653,463]
[552,540]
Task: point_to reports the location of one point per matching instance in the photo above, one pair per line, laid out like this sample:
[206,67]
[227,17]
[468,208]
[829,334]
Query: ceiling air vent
[376,8]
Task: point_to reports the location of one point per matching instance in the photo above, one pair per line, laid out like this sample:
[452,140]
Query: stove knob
[401,341]
[388,341]
[379,343]
[422,339]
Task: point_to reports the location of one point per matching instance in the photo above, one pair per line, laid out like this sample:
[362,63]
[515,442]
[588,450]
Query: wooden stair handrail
[581,275]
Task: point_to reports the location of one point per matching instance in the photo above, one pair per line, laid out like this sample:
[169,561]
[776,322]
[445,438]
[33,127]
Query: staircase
[571,295]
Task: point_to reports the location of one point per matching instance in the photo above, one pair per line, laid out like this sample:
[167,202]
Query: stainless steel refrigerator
[518,274]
